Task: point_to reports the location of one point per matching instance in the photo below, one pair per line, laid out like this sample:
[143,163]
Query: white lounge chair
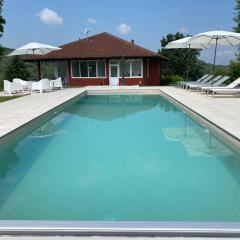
[42,86]
[56,84]
[26,84]
[229,89]
[10,87]
[215,84]
[184,83]
[204,83]
[205,80]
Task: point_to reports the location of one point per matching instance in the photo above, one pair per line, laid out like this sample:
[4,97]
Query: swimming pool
[120,158]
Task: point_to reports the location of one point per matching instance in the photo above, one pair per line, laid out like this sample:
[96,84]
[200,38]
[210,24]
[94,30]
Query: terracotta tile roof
[103,45]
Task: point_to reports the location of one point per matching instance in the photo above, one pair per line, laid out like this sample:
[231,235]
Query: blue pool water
[123,157]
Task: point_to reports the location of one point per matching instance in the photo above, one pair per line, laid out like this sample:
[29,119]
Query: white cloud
[50,17]
[183,30]
[124,29]
[92,20]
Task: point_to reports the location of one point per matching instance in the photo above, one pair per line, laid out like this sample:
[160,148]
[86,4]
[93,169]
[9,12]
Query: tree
[236,28]
[16,69]
[178,59]
[237,17]
[2,22]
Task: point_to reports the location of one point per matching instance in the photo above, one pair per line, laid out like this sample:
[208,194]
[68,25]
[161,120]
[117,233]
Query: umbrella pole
[188,60]
[214,60]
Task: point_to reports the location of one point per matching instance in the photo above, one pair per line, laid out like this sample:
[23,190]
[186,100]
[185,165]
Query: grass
[7,98]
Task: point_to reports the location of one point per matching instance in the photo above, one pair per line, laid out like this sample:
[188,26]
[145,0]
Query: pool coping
[122,228]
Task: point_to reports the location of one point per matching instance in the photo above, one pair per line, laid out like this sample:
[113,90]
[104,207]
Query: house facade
[104,59]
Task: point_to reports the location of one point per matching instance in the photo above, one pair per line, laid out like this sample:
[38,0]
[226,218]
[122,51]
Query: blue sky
[58,22]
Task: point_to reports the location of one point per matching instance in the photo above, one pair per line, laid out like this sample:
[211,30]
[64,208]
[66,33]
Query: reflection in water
[8,161]
[196,139]
[9,158]
[110,107]
[232,163]
[166,107]
[47,130]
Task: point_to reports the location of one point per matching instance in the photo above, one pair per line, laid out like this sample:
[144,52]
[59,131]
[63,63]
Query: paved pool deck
[223,111]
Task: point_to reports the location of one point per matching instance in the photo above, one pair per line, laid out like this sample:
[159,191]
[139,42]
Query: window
[124,68]
[75,69]
[84,69]
[92,69]
[101,68]
[137,68]
[88,69]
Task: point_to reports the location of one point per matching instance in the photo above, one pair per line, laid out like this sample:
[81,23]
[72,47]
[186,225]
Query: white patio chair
[26,85]
[56,84]
[10,87]
[42,86]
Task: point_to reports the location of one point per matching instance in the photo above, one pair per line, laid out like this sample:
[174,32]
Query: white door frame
[114,81]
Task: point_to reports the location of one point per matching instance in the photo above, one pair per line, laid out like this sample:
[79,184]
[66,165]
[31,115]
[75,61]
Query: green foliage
[237,26]
[16,69]
[219,69]
[234,70]
[178,60]
[2,22]
[237,17]
[170,79]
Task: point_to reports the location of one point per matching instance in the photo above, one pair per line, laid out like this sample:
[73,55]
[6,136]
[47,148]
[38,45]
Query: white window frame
[130,60]
[102,77]
[141,68]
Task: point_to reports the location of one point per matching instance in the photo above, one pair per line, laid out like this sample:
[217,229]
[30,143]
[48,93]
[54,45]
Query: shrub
[170,79]
[234,70]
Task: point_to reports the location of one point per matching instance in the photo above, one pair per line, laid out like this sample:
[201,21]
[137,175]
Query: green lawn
[7,98]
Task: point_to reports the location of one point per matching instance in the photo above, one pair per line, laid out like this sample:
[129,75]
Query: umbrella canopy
[34,48]
[185,43]
[218,37]
[215,38]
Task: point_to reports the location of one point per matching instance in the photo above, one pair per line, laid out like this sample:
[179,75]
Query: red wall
[151,73]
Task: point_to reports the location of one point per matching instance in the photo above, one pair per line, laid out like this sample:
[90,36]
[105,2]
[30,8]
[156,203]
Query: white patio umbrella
[185,43]
[215,38]
[34,48]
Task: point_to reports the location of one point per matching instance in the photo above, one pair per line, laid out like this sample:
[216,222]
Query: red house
[104,59]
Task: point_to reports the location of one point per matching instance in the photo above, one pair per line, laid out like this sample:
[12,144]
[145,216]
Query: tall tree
[2,22]
[16,69]
[178,59]
[237,17]
[236,28]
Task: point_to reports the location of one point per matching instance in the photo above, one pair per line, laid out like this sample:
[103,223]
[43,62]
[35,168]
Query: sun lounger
[215,84]
[184,83]
[230,88]
[10,87]
[205,83]
[42,86]
[226,91]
